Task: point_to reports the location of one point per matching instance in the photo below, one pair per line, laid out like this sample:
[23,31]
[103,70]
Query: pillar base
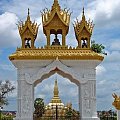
[118,114]
[17,118]
[90,118]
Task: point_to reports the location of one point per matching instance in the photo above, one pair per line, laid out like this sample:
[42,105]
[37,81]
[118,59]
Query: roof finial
[55,1]
[56,4]
[83,15]
[28,17]
[83,11]
[28,11]
[83,3]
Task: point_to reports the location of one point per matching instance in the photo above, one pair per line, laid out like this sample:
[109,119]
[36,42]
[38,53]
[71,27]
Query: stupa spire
[56,91]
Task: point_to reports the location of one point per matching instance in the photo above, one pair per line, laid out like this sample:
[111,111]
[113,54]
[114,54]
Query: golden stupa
[56,99]
[57,105]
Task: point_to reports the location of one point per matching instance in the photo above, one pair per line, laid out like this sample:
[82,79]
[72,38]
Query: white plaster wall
[81,72]
[118,114]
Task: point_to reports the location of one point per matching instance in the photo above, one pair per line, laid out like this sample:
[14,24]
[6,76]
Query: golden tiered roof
[83,31]
[33,27]
[64,16]
[56,21]
[83,25]
[30,30]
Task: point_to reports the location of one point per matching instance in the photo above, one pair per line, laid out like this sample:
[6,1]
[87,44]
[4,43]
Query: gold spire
[83,15]
[55,5]
[56,99]
[28,11]
[56,2]
[56,92]
[28,17]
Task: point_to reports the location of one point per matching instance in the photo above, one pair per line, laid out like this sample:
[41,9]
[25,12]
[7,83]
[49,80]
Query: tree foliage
[39,108]
[69,113]
[5,88]
[97,48]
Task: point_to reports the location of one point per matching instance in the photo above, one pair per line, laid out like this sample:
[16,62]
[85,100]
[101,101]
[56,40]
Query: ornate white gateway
[36,64]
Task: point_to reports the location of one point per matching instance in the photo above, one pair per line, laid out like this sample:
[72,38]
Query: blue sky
[106,16]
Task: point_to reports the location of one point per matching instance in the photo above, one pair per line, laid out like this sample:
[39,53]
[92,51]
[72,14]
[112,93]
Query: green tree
[39,108]
[98,48]
[5,88]
[69,113]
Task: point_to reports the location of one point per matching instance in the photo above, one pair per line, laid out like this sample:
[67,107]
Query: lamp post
[1,108]
[56,112]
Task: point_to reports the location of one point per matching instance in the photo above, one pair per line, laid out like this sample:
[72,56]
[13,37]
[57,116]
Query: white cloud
[7,67]
[41,96]
[115,45]
[8,30]
[114,56]
[105,13]
[1,52]
[100,70]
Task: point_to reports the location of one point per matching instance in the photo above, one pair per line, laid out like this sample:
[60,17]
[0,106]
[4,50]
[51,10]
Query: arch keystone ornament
[36,64]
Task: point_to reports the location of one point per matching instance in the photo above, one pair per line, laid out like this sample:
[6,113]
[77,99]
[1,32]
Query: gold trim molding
[64,54]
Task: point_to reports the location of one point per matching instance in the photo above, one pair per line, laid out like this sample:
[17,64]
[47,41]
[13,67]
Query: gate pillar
[25,98]
[87,100]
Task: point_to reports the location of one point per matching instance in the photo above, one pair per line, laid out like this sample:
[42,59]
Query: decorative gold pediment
[28,32]
[82,26]
[83,31]
[33,27]
[64,15]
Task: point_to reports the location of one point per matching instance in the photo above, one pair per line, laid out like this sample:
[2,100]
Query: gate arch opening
[67,90]
[60,72]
